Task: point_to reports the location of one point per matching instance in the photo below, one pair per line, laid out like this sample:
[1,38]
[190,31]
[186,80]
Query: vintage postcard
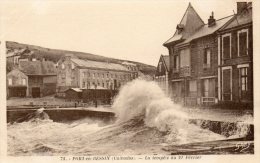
[139,80]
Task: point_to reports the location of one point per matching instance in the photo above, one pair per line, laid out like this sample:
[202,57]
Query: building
[235,57]
[13,55]
[162,72]
[85,74]
[32,79]
[73,94]
[193,52]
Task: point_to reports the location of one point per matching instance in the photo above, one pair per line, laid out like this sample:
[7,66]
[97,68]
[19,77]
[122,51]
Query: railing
[208,100]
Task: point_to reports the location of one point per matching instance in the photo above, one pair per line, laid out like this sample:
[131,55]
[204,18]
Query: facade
[85,74]
[162,72]
[32,79]
[193,52]
[235,57]
[17,84]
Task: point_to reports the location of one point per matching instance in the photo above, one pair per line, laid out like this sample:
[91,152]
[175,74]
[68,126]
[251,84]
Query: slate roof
[96,64]
[44,68]
[190,22]
[205,30]
[244,17]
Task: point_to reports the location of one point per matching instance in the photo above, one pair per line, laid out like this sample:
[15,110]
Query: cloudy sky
[132,30]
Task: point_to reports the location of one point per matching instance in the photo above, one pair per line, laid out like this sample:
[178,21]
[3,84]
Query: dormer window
[180,28]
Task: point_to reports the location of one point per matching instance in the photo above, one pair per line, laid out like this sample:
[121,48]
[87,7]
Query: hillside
[55,54]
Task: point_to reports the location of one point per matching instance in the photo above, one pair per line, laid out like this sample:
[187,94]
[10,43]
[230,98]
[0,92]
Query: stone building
[162,72]
[85,74]
[235,57]
[193,52]
[32,79]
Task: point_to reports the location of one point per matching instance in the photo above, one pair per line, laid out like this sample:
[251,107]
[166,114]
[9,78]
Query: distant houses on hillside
[32,76]
[213,62]
[32,79]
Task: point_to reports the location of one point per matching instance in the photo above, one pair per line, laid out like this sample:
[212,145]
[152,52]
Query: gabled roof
[96,64]
[190,22]
[242,18]
[166,60]
[44,68]
[206,30]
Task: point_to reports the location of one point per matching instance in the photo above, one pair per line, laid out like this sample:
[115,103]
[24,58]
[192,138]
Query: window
[23,81]
[242,36]
[176,62]
[226,46]
[193,88]
[93,75]
[84,85]
[243,79]
[72,66]
[62,66]
[206,88]
[185,58]
[206,58]
[10,81]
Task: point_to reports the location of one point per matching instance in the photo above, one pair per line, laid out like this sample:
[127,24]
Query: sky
[131,30]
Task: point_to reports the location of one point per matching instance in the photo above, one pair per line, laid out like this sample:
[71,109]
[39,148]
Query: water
[147,121]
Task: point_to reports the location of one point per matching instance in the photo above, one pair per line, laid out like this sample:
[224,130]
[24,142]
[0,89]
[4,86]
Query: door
[226,85]
[36,92]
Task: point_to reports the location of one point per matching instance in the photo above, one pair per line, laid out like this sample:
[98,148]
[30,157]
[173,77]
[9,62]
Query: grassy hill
[55,54]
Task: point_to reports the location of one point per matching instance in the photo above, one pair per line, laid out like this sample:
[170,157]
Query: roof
[37,68]
[74,89]
[17,52]
[206,30]
[243,18]
[128,63]
[96,64]
[190,22]
[166,59]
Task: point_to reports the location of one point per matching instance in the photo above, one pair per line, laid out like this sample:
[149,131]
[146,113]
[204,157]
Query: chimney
[241,6]
[211,20]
